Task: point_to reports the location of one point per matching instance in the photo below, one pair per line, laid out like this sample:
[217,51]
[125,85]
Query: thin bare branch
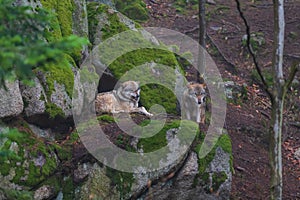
[294,69]
[252,54]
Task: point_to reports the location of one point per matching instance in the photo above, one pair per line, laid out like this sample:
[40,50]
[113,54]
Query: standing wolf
[124,99]
[194,102]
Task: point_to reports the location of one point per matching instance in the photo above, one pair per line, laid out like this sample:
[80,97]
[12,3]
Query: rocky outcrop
[44,150]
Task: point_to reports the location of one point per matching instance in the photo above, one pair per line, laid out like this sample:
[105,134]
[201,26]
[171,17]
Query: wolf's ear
[138,82]
[204,85]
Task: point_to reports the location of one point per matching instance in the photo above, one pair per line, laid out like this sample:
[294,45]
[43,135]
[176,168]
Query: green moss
[150,93]
[61,23]
[134,9]
[64,10]
[53,110]
[159,140]
[17,194]
[29,175]
[217,177]
[106,118]
[5,168]
[68,188]
[113,25]
[141,56]
[122,180]
[136,12]
[224,142]
[54,32]
[59,73]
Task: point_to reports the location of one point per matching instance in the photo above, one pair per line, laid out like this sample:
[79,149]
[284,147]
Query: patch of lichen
[134,9]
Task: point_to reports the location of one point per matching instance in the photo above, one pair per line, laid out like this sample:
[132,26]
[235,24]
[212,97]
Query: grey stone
[43,133]
[44,192]
[35,98]
[11,103]
[60,98]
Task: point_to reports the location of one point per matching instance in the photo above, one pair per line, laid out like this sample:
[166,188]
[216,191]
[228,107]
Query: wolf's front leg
[144,111]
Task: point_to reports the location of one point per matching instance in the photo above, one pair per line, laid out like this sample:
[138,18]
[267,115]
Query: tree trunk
[277,99]
[275,149]
[202,37]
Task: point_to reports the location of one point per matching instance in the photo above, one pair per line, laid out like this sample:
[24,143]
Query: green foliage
[256,41]
[6,154]
[182,6]
[11,194]
[23,44]
[266,73]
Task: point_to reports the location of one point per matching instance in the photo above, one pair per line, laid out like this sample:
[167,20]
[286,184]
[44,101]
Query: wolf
[124,99]
[194,97]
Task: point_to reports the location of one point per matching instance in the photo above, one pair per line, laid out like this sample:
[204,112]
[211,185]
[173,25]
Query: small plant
[256,40]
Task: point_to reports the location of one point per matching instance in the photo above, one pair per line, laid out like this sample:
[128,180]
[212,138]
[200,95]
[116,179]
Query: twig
[191,30]
[292,75]
[296,57]
[265,85]
[296,124]
[265,114]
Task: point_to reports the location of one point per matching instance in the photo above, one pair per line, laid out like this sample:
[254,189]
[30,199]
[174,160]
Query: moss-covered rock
[216,168]
[58,81]
[35,160]
[136,48]
[134,9]
[32,163]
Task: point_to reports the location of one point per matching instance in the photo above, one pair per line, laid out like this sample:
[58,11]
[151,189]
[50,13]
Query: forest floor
[247,122]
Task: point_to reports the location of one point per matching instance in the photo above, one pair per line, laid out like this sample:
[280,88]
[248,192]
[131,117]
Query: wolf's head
[129,91]
[197,92]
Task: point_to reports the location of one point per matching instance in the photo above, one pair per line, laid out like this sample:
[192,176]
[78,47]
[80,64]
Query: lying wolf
[194,102]
[124,99]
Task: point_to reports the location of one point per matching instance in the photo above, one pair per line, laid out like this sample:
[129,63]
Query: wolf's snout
[135,97]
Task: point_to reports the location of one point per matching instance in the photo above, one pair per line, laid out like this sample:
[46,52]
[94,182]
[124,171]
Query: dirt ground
[247,122]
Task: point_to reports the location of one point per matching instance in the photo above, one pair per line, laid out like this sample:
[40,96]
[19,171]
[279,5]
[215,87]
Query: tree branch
[294,69]
[252,54]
